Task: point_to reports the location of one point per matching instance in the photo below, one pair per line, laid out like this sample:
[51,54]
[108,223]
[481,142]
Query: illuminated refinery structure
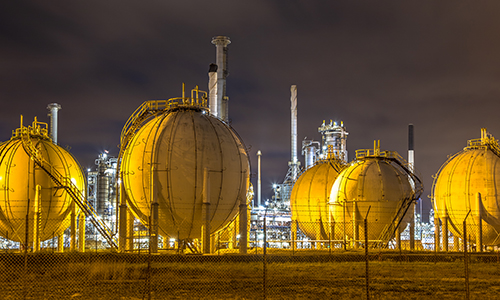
[465,191]
[182,180]
[102,186]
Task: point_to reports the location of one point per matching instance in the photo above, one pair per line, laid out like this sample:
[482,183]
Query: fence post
[264,256]
[355,224]
[479,222]
[467,294]
[366,254]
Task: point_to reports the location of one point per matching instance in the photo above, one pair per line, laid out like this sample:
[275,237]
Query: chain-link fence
[281,263]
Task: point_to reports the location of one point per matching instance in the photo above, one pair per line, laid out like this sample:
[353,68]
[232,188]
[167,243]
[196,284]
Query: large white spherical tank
[184,143]
[373,183]
[310,197]
[19,177]
[456,189]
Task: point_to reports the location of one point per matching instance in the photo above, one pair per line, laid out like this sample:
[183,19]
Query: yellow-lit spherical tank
[177,147]
[310,197]
[470,180]
[19,178]
[373,182]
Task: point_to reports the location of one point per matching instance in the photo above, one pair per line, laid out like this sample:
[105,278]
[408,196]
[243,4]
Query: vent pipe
[53,110]
[221,43]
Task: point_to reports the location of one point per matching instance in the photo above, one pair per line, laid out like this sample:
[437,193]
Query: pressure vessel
[375,186]
[467,185]
[28,194]
[310,197]
[188,162]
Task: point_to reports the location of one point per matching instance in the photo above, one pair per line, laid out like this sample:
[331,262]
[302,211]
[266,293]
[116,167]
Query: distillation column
[294,164]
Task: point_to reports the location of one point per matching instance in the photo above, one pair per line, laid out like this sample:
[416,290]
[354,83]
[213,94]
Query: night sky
[376,65]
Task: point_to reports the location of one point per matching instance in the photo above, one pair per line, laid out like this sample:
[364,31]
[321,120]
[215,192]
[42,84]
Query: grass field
[116,276]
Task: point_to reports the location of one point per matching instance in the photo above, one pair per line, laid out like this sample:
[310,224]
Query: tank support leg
[60,242]
[444,220]
[398,237]
[72,246]
[243,227]
[153,231]
[205,228]
[478,220]
[81,232]
[129,235]
[294,234]
[332,233]
[412,227]
[318,233]
[122,234]
[205,213]
[456,243]
[436,233]
[36,220]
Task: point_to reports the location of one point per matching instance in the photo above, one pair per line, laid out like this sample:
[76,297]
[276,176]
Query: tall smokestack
[411,167]
[53,109]
[221,43]
[212,90]
[293,110]
[259,183]
[410,147]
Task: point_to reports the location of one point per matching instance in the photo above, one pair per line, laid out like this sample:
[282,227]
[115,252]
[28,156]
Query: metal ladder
[66,184]
[390,229]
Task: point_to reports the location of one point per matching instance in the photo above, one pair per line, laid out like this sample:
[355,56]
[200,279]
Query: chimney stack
[221,43]
[53,110]
[212,90]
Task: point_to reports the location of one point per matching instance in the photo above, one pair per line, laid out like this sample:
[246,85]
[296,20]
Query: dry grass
[183,277]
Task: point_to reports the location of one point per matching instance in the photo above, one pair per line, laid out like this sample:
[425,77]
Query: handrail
[491,144]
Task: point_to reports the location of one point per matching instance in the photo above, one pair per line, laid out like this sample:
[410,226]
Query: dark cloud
[376,65]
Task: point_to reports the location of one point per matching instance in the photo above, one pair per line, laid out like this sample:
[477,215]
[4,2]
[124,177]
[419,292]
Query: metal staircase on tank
[152,108]
[66,184]
[390,229]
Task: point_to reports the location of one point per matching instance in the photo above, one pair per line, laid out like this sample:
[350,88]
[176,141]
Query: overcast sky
[376,65]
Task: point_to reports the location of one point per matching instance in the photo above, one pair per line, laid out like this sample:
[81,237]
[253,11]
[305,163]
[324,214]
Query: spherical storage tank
[310,197]
[19,178]
[175,148]
[375,181]
[470,180]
